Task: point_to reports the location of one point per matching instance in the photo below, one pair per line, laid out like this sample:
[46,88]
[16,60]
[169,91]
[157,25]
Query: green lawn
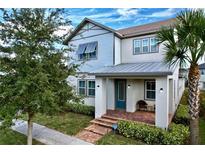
[116,139]
[10,137]
[68,123]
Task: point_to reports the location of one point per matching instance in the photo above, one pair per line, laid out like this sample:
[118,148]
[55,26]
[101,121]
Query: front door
[120,94]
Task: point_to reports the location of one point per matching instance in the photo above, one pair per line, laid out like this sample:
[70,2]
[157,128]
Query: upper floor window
[145,45]
[87,51]
[137,46]
[154,45]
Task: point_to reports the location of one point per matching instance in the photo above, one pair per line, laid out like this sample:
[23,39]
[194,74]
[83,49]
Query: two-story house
[124,70]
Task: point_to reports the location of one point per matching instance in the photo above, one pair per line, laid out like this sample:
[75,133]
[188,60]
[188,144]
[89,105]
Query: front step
[98,129]
[98,122]
[107,120]
[111,118]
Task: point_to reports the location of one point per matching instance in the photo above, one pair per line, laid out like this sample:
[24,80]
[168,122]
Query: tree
[185,44]
[33,65]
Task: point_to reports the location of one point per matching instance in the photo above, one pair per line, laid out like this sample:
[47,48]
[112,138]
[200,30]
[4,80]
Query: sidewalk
[46,135]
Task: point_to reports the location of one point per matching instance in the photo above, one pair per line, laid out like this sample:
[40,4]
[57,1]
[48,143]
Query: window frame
[134,52]
[86,56]
[82,87]
[141,48]
[157,45]
[145,89]
[148,51]
[89,88]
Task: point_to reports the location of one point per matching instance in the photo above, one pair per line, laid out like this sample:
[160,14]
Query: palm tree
[185,45]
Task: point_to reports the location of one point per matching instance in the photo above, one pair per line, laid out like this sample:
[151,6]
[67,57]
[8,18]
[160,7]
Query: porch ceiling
[136,69]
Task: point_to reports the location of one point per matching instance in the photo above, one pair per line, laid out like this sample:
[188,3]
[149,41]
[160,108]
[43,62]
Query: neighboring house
[202,76]
[124,70]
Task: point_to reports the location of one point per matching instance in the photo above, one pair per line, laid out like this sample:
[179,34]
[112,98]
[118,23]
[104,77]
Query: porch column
[100,97]
[162,102]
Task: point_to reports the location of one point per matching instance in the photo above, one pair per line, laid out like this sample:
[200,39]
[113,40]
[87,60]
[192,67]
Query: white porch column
[100,97]
[162,102]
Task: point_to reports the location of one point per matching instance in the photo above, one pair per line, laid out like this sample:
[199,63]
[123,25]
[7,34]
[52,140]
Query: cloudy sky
[123,17]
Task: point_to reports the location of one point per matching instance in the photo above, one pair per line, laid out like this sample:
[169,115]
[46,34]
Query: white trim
[146,81]
[90,88]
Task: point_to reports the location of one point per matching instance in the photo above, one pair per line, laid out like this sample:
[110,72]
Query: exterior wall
[100,97]
[162,103]
[135,92]
[110,94]
[104,51]
[129,57]
[117,51]
[73,80]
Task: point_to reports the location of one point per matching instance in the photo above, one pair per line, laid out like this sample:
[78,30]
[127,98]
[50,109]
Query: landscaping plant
[33,64]
[185,44]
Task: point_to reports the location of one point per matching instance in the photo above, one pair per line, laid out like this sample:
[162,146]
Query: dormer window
[87,51]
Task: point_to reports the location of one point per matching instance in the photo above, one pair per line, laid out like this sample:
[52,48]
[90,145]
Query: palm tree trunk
[30,129]
[193,100]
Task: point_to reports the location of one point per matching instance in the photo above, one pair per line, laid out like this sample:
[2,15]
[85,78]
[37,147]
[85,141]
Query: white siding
[104,51]
[117,50]
[129,57]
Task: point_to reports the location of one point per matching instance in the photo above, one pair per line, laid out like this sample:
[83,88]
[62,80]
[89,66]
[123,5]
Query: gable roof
[145,29]
[85,21]
[126,32]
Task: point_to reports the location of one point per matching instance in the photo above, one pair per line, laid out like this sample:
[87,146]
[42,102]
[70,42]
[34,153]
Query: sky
[118,18]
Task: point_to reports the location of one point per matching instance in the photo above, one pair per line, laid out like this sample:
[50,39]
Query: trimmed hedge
[182,115]
[80,108]
[177,134]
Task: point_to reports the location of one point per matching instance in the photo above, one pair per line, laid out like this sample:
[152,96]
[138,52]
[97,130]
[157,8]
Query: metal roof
[136,69]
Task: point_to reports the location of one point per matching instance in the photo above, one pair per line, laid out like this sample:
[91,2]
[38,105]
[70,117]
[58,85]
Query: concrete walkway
[46,135]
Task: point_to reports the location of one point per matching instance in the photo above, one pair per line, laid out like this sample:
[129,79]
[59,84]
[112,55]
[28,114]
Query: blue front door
[120,94]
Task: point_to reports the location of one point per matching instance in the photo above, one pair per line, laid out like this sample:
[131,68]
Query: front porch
[138,116]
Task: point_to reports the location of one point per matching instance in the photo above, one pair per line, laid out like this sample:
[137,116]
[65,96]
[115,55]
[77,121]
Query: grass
[116,139]
[10,137]
[68,123]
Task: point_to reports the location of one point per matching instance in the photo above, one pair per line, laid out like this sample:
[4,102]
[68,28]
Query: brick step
[105,124]
[88,136]
[107,120]
[98,129]
[111,118]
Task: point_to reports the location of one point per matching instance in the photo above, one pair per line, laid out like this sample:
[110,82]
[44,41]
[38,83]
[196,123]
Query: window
[86,87]
[91,88]
[150,91]
[87,51]
[82,87]
[153,45]
[145,45]
[137,46]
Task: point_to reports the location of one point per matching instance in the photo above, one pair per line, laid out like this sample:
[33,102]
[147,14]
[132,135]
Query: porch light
[161,90]
[128,86]
[98,86]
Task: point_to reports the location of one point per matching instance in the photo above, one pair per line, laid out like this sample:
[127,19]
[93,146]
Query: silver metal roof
[136,69]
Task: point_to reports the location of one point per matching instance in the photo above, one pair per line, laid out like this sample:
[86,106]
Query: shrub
[80,108]
[177,134]
[182,115]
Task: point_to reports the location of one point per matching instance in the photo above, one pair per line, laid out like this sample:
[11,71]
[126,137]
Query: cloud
[126,12]
[166,13]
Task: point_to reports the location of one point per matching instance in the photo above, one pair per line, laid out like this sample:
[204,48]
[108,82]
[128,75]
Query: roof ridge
[151,23]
